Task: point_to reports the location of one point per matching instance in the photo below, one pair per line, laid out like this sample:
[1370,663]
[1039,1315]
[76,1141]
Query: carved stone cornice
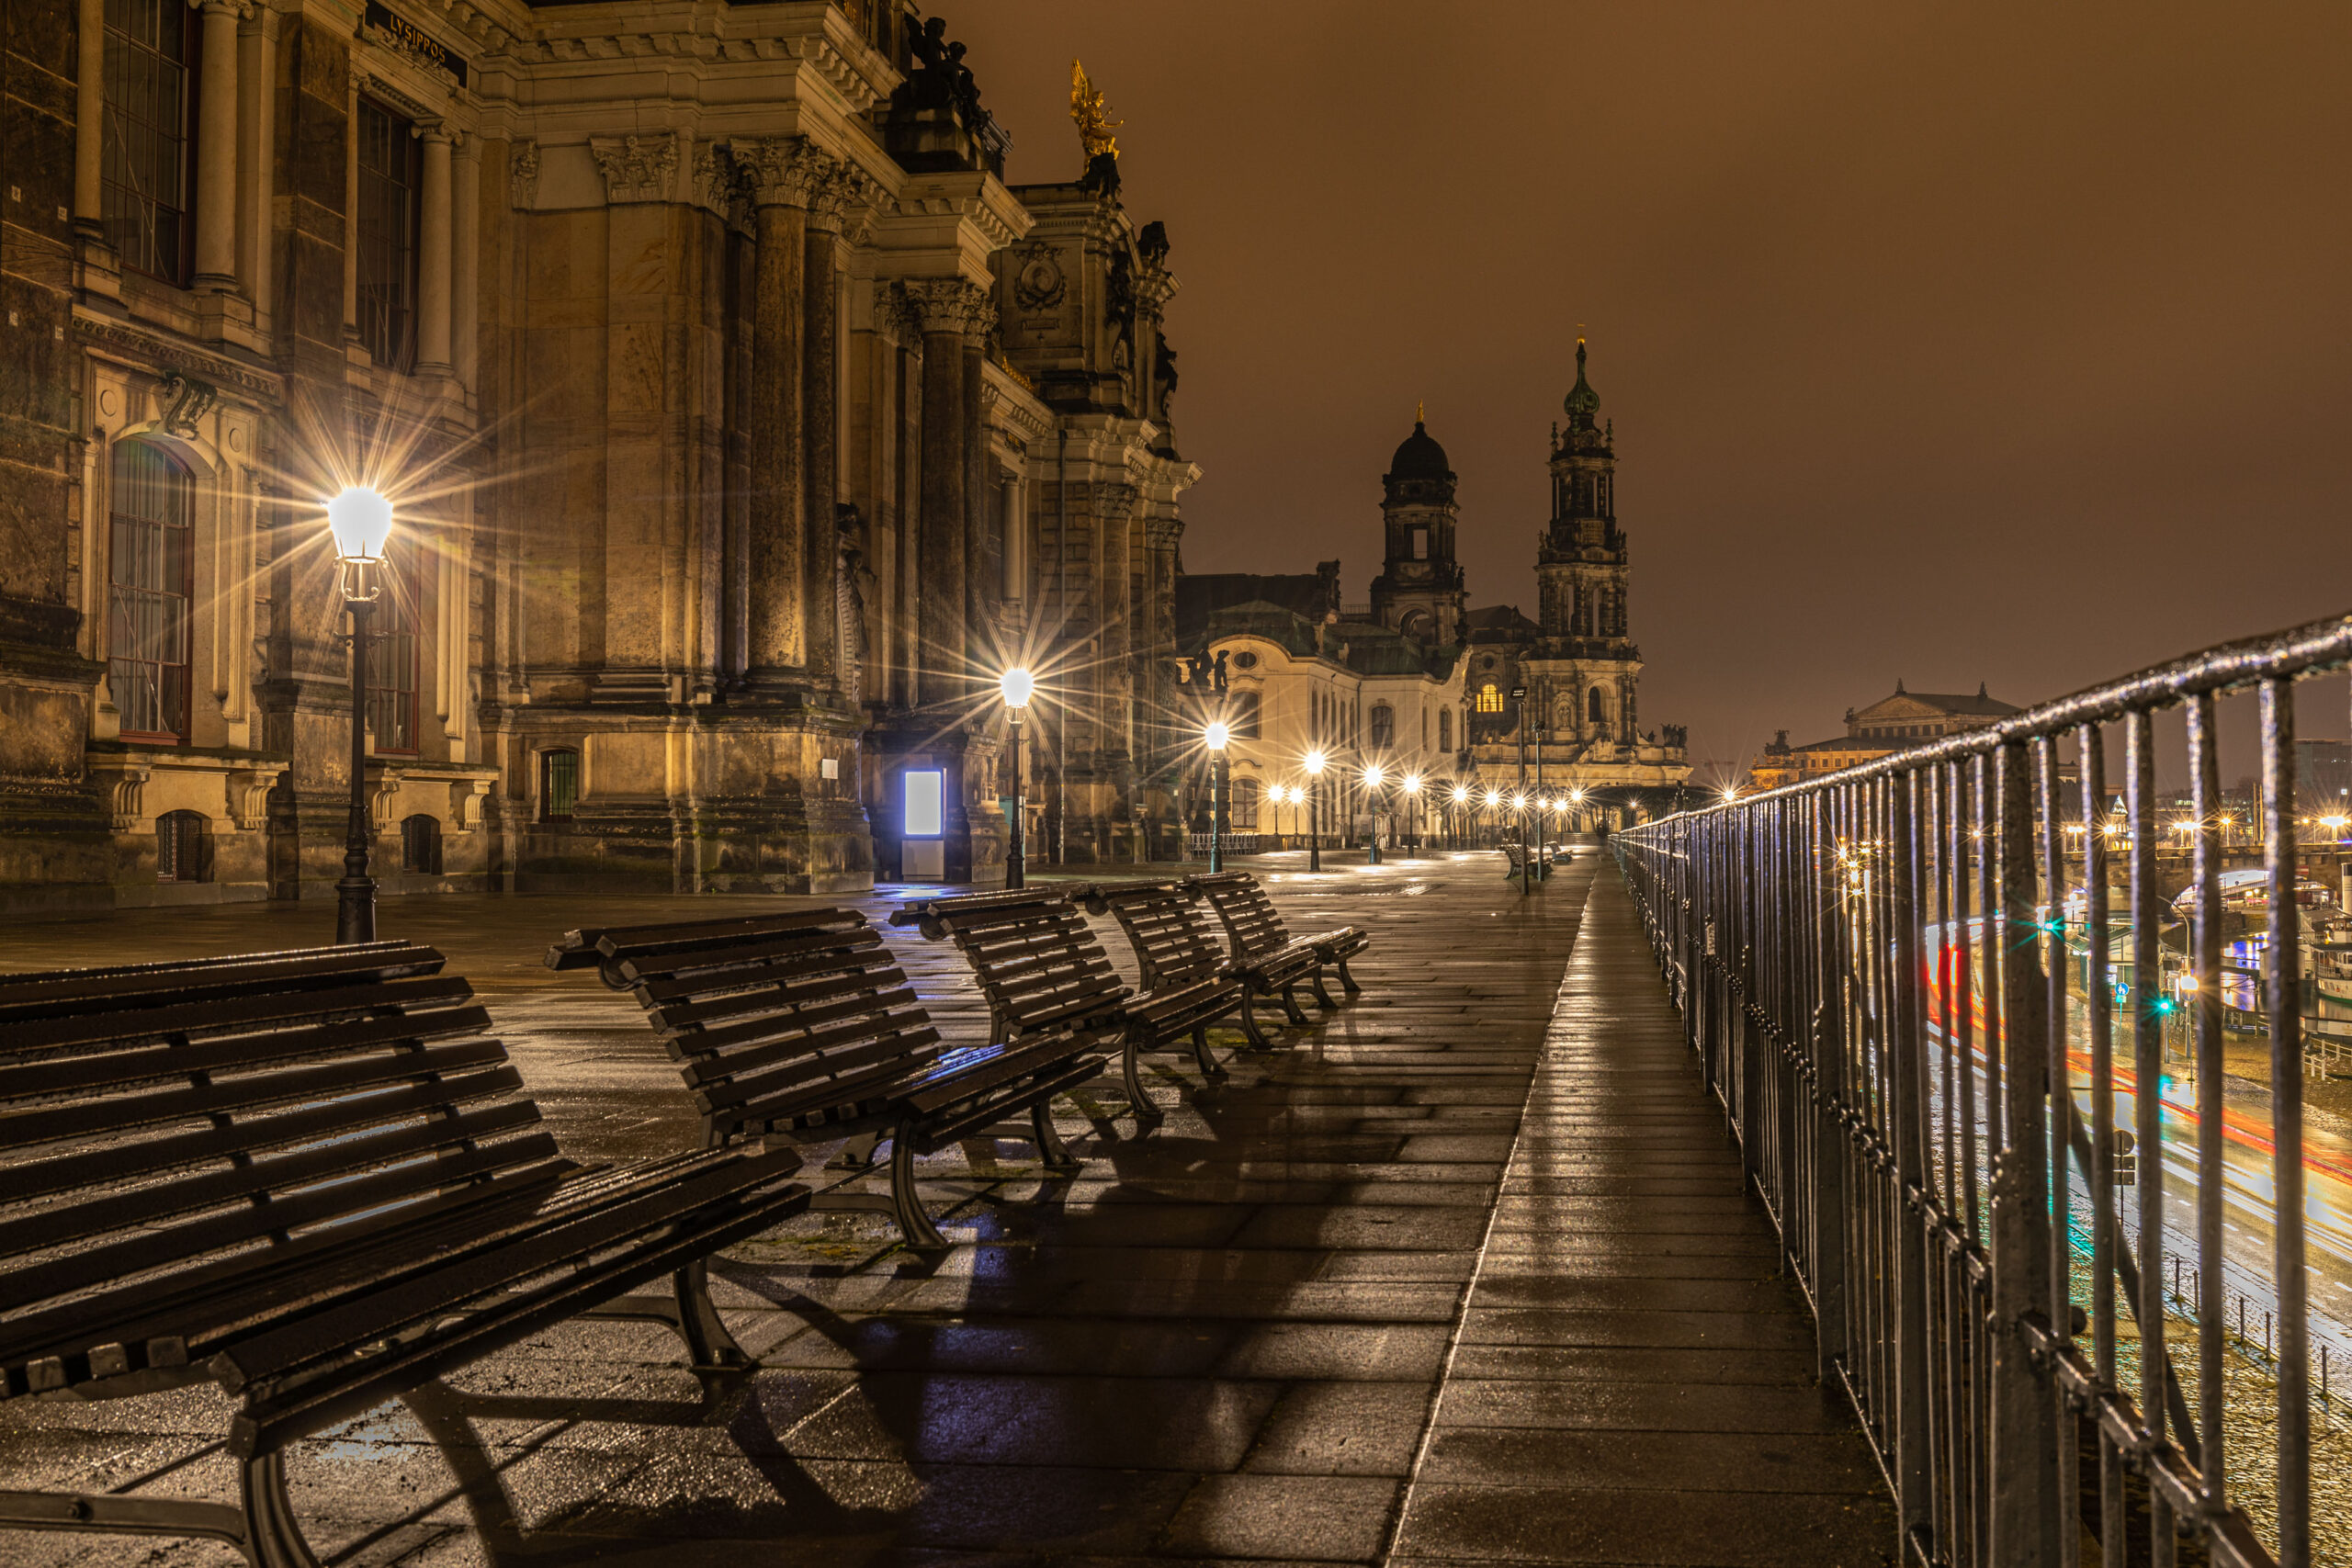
[781,171]
[715,179]
[1116,501]
[523,175]
[952,305]
[140,348]
[1163,533]
[637,168]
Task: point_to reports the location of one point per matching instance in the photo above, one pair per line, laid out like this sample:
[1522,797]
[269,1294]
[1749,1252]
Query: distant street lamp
[1315,811]
[1526,870]
[361,521]
[1372,777]
[1454,817]
[1017,685]
[1217,736]
[1413,807]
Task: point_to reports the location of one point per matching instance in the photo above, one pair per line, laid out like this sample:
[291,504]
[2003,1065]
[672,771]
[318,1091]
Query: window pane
[558,785]
[143,144]
[392,652]
[390,165]
[149,594]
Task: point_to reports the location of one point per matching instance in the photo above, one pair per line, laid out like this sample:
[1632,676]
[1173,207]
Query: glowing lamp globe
[1493,797]
[1461,794]
[1373,775]
[361,521]
[1217,735]
[1017,685]
[1315,763]
[1519,803]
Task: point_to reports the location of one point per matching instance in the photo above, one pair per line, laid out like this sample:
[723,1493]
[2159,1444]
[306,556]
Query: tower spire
[1420,411]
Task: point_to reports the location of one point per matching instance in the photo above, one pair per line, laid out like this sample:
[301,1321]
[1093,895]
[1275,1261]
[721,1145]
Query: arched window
[1241,715]
[1445,730]
[151,586]
[559,784]
[1241,807]
[391,181]
[1592,705]
[183,846]
[1384,725]
[420,844]
[143,156]
[392,652]
[1490,698]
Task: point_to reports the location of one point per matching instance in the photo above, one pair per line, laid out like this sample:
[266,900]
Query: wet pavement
[1224,1340]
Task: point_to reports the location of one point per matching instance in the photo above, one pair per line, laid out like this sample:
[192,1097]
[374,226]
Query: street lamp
[1314,811]
[1454,817]
[1372,777]
[1017,685]
[361,521]
[1413,811]
[1526,870]
[1217,735]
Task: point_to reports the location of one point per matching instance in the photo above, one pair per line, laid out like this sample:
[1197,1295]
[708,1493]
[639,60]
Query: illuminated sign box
[924,816]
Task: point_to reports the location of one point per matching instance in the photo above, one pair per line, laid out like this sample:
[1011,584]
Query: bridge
[1751,1192]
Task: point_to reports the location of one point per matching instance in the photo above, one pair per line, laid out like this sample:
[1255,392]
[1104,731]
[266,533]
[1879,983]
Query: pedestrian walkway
[1222,1341]
[1633,1381]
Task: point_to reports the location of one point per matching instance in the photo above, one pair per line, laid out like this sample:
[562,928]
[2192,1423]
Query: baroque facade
[1890,724]
[741,424]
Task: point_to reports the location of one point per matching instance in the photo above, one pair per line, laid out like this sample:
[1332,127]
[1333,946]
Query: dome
[1420,457]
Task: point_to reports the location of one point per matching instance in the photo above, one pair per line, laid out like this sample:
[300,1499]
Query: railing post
[1828,1046]
[2024,1458]
[1906,1046]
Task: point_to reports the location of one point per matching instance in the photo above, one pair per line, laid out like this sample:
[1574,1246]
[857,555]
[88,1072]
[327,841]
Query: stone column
[216,149]
[257,139]
[950,308]
[830,199]
[465,261]
[781,171]
[433,252]
[89,117]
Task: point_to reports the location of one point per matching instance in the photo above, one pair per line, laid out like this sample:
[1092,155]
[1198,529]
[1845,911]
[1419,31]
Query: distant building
[1887,725]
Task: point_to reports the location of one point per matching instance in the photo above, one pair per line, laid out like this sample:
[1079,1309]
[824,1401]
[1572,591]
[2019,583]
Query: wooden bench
[1257,930]
[802,1026]
[1040,967]
[1175,949]
[309,1177]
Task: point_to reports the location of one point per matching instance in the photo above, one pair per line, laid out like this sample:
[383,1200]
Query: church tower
[1420,591]
[1585,662]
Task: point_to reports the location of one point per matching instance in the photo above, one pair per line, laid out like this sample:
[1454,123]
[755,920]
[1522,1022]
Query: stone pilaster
[433,253]
[837,194]
[955,312]
[216,149]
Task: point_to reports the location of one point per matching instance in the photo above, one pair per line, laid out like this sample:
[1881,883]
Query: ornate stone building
[1887,725]
[741,422]
[1578,723]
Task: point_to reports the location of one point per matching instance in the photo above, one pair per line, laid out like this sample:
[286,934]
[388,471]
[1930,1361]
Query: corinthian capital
[782,171]
[635,168]
[952,305]
[840,192]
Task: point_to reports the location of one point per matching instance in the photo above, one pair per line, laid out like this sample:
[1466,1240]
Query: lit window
[144,204]
[1490,698]
[149,589]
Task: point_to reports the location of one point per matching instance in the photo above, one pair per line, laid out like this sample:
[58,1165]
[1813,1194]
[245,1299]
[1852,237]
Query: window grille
[1242,806]
[392,652]
[390,177]
[559,784]
[149,590]
[420,844]
[1490,698]
[143,145]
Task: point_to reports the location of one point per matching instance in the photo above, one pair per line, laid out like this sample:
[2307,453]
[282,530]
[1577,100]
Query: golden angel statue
[1091,115]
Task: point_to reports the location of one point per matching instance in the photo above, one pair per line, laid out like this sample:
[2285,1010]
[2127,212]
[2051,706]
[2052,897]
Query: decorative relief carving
[715,179]
[124,787]
[895,316]
[635,168]
[185,401]
[838,192]
[249,797]
[1038,284]
[523,175]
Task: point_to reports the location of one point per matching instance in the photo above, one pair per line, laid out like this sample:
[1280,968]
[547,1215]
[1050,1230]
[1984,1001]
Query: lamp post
[1526,870]
[1413,809]
[1217,735]
[1314,810]
[1494,799]
[1575,800]
[1454,817]
[1372,775]
[1017,685]
[361,521]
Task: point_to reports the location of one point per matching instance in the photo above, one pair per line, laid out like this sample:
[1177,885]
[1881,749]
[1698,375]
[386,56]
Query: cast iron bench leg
[1139,1101]
[1258,1040]
[1323,997]
[1210,1066]
[1347,980]
[915,1225]
[273,1538]
[1290,1003]
[709,1344]
[1050,1147]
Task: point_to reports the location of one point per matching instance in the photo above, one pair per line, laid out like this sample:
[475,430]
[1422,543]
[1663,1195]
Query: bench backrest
[161,1123]
[1249,915]
[776,1020]
[1171,942]
[1035,957]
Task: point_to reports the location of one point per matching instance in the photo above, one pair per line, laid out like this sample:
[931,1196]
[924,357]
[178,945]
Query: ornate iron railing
[1927,991]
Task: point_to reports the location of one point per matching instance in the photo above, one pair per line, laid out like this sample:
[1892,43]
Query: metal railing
[1937,1100]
